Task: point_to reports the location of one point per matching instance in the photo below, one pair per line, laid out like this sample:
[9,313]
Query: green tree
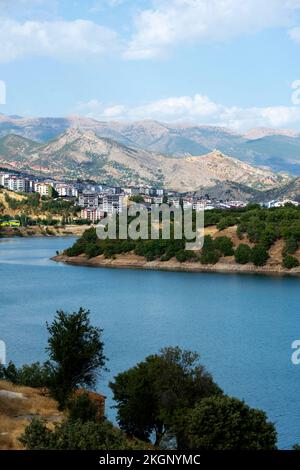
[224,245]
[83,408]
[76,352]
[259,255]
[153,396]
[138,199]
[242,254]
[290,262]
[224,423]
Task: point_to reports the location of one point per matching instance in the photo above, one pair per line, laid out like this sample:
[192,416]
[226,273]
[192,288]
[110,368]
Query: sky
[232,63]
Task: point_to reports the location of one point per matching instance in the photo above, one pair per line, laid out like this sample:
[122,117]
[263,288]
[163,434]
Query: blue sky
[221,62]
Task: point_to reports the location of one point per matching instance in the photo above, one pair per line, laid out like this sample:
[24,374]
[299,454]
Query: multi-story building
[92,214]
[44,189]
[17,183]
[66,190]
[88,200]
[111,203]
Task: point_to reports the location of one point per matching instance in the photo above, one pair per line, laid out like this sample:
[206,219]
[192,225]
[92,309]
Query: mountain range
[278,150]
[82,154]
[263,163]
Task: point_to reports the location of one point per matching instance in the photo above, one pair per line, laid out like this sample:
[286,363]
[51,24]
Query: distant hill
[82,154]
[277,149]
[290,190]
[231,191]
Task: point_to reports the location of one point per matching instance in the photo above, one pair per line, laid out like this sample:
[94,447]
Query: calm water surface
[243,326]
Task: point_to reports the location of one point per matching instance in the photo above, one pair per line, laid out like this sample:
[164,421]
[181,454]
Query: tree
[76,353]
[210,257]
[224,245]
[290,262]
[83,408]
[153,396]
[225,423]
[242,254]
[259,255]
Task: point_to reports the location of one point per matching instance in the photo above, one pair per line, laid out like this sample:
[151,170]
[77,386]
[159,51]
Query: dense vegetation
[169,395]
[256,227]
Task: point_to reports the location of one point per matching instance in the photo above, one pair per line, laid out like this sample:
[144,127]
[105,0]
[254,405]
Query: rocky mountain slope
[82,154]
[277,149]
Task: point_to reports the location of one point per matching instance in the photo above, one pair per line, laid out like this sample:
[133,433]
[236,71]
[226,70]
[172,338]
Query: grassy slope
[16,413]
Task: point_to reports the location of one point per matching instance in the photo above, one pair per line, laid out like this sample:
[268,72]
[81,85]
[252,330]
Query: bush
[259,255]
[242,254]
[291,246]
[210,257]
[83,408]
[224,245]
[290,262]
[186,255]
[77,435]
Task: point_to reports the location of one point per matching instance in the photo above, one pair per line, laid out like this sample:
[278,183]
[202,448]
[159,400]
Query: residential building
[92,214]
[44,189]
[66,190]
[88,200]
[111,203]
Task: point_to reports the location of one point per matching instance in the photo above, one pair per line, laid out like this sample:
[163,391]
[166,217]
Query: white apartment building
[66,190]
[44,189]
[16,183]
[111,203]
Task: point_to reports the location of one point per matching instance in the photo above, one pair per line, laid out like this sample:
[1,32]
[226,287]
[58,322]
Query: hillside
[32,206]
[18,406]
[277,149]
[230,191]
[254,240]
[82,154]
[290,190]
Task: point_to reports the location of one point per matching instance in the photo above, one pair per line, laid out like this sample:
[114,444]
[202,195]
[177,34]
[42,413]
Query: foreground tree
[155,395]
[76,353]
[224,423]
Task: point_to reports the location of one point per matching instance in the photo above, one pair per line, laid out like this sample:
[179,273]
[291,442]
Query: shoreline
[131,262]
[41,231]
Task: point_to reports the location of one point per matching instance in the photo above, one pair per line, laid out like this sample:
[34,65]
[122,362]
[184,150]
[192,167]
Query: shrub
[224,245]
[242,254]
[77,435]
[290,262]
[210,257]
[83,408]
[259,255]
[185,255]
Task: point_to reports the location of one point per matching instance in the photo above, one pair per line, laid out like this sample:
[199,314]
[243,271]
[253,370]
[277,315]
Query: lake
[242,325]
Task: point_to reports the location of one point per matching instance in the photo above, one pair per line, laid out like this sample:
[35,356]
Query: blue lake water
[242,325]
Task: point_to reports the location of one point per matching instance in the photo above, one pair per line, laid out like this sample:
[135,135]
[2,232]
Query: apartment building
[88,200]
[44,189]
[66,190]
[92,214]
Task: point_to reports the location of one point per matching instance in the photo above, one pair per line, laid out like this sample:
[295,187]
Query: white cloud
[197,109]
[58,39]
[170,22]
